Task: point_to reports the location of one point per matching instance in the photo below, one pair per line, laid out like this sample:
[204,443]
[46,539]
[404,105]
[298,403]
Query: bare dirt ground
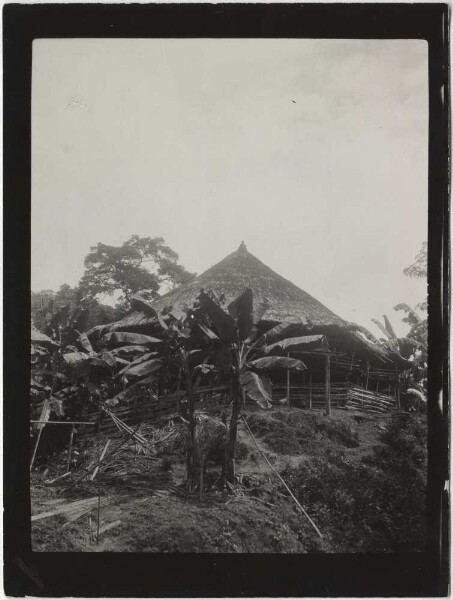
[158,516]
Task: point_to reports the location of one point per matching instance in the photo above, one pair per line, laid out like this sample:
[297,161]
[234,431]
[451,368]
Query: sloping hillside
[361,479]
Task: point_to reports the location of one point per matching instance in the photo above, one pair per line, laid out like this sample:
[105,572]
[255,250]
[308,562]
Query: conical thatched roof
[286,302]
[230,277]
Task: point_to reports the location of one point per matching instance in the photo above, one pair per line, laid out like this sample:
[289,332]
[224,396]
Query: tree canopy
[419,268]
[142,265]
[45,303]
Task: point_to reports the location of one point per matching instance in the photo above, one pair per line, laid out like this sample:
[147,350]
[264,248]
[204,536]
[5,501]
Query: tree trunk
[193,450]
[193,455]
[228,471]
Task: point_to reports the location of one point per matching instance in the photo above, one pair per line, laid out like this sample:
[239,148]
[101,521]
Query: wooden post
[71,436]
[327,384]
[352,359]
[398,395]
[99,475]
[309,391]
[288,384]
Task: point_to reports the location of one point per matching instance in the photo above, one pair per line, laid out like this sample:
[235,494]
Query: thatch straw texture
[241,270]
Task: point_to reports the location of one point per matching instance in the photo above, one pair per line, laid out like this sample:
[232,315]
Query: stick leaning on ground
[279,476]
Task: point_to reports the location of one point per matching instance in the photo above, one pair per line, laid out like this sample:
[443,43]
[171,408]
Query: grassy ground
[333,456]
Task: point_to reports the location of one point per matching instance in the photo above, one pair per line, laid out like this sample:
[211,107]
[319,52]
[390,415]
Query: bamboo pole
[64,422]
[71,437]
[35,449]
[288,384]
[280,478]
[327,385]
[309,391]
[99,475]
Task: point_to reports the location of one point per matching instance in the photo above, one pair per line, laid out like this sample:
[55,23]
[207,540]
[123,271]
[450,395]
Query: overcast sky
[314,152]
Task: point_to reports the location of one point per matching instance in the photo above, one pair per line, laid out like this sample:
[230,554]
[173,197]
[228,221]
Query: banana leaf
[57,406]
[85,343]
[141,305]
[257,387]
[137,361]
[389,328]
[109,359]
[145,368]
[41,339]
[241,310]
[305,342]
[73,359]
[128,351]
[79,318]
[126,337]
[275,333]
[278,362]
[60,317]
[208,332]
[132,392]
[222,321]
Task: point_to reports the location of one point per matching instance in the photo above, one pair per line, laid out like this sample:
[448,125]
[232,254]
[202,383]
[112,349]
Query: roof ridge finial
[242,249]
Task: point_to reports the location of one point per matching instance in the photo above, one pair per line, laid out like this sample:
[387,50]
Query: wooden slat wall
[341,394]
[300,395]
[150,411]
[370,401]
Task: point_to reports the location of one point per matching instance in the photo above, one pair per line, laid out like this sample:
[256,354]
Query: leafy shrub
[377,506]
[277,435]
[314,428]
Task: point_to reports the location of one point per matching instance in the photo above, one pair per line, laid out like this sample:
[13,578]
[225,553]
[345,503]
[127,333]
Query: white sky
[199,141]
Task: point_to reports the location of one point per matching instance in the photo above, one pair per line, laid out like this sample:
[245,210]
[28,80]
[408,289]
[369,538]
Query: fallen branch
[50,481]
[279,476]
[107,527]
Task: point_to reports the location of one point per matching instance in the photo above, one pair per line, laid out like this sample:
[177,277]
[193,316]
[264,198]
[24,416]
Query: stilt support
[327,386]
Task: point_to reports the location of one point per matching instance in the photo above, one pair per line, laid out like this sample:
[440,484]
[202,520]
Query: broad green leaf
[208,332]
[257,387]
[222,321]
[57,406]
[45,413]
[274,333]
[278,362]
[382,328]
[74,359]
[305,342]
[141,305]
[132,392]
[109,359]
[138,361]
[41,339]
[126,337]
[145,368]
[129,351]
[204,368]
[389,327]
[79,319]
[85,343]
[241,310]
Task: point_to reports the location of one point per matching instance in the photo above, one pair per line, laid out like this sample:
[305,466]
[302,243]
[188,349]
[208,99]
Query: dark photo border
[169,575]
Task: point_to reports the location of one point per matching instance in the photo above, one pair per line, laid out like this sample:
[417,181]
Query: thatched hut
[352,368]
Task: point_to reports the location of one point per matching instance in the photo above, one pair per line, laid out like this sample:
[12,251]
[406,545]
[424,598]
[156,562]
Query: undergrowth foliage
[377,505]
[294,432]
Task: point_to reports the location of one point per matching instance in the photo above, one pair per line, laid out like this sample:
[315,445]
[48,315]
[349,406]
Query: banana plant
[404,346]
[237,329]
[176,357]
